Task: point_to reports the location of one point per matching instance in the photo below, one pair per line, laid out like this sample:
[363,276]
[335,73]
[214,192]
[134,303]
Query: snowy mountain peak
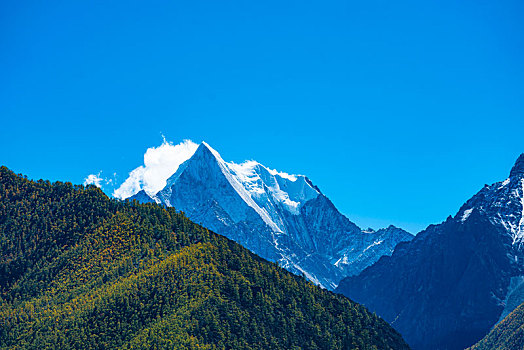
[260,187]
[205,154]
[503,203]
[518,168]
[280,216]
[205,147]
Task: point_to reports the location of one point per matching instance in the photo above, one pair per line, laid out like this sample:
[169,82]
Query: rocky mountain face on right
[454,281]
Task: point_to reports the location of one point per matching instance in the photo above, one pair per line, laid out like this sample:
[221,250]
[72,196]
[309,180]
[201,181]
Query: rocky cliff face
[281,217]
[447,287]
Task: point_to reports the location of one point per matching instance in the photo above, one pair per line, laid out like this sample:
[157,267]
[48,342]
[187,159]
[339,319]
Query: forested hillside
[508,334]
[81,271]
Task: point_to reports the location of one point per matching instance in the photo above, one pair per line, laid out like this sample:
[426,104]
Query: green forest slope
[508,334]
[81,271]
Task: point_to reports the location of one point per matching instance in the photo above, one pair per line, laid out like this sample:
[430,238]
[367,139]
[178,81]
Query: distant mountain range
[454,281]
[283,218]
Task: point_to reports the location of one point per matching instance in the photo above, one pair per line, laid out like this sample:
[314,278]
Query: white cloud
[94,179]
[159,164]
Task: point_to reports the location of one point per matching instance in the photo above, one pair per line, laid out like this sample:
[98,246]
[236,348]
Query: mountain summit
[282,217]
[518,168]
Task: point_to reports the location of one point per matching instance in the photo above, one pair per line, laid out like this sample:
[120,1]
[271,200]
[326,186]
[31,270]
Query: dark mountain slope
[447,287]
[437,291]
[82,271]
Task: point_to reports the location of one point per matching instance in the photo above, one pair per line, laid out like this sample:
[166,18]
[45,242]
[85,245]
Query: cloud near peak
[94,179]
[159,164]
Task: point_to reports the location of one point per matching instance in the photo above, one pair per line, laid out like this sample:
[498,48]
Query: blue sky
[398,111]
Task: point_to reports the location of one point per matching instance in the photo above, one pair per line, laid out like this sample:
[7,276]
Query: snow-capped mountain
[281,217]
[447,287]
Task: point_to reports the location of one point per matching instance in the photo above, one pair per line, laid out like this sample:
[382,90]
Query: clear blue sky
[398,111]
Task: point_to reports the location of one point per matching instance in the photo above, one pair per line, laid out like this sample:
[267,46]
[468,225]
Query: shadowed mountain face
[81,271]
[447,287]
[282,217]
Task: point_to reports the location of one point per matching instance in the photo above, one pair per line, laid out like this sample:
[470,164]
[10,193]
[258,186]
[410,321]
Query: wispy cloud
[94,179]
[159,164]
